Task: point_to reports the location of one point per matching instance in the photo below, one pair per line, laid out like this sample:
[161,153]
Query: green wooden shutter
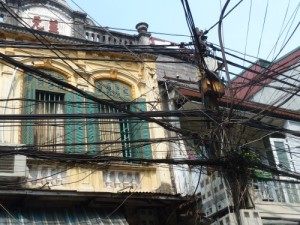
[69,127]
[135,134]
[145,134]
[140,130]
[49,85]
[27,131]
[79,124]
[74,128]
[93,133]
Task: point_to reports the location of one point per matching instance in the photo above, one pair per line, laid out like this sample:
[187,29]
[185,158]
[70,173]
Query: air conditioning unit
[12,167]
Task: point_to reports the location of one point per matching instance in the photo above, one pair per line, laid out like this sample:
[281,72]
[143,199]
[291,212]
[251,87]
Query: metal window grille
[49,133]
[115,133]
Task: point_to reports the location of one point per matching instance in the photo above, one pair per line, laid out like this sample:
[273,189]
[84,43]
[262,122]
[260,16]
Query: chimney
[144,36]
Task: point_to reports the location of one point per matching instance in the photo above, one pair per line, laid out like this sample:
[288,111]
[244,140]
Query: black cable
[236,5]
[263,27]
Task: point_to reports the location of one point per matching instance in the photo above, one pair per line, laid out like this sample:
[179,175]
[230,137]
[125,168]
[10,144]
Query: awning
[61,216]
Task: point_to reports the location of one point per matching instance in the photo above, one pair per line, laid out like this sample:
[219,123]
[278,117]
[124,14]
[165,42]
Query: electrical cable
[263,27]
[223,17]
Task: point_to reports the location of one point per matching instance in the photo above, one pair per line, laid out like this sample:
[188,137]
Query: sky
[271,22]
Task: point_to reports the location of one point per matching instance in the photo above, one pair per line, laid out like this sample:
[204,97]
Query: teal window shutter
[69,125]
[109,89]
[135,134]
[74,131]
[74,128]
[145,134]
[93,132]
[79,124]
[27,131]
[125,131]
[114,89]
[140,131]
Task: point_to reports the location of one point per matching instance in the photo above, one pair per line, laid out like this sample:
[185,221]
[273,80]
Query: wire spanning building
[62,162]
[104,127]
[262,142]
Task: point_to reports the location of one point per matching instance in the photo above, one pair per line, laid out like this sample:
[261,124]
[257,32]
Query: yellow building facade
[76,138]
[126,69]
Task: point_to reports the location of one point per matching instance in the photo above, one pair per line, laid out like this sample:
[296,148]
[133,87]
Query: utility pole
[222,135]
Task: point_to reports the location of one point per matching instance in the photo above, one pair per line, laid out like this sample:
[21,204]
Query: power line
[236,5]
[263,27]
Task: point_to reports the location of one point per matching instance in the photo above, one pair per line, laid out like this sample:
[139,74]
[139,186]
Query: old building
[71,106]
[76,140]
[267,129]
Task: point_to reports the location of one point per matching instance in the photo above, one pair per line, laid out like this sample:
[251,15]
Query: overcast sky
[167,16]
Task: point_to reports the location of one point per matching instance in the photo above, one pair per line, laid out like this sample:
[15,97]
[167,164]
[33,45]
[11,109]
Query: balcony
[272,191]
[277,200]
[109,179]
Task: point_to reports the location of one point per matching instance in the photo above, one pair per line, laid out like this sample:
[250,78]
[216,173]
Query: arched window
[113,135]
[43,97]
[54,133]
[121,136]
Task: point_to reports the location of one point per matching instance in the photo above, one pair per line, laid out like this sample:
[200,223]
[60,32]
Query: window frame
[45,122]
[136,130]
[286,153]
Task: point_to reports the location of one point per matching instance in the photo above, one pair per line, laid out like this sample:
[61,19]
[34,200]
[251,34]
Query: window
[49,132]
[279,192]
[215,189]
[122,136]
[247,215]
[281,153]
[116,133]
[292,192]
[43,97]
[58,135]
[202,184]
[117,136]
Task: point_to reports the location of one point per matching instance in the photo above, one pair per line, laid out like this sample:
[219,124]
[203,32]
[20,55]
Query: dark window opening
[48,133]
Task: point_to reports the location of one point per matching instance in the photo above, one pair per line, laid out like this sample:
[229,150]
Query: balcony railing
[86,179]
[122,179]
[273,191]
[40,176]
